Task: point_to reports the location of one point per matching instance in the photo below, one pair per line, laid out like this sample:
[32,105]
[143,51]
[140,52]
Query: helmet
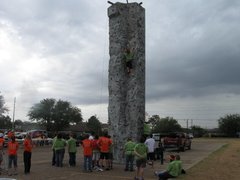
[1,135]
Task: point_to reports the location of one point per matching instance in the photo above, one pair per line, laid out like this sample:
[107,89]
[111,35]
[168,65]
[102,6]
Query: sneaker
[156,173]
[100,169]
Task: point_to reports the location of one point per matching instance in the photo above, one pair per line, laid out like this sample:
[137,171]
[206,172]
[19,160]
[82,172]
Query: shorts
[110,156]
[141,163]
[104,155]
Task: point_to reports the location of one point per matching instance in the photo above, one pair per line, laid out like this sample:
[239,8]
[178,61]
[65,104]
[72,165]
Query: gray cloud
[59,49]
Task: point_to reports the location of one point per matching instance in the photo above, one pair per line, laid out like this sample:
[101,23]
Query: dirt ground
[200,162]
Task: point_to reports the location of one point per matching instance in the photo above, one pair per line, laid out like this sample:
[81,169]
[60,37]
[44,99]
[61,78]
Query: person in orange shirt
[87,152]
[12,155]
[27,153]
[104,143]
[1,150]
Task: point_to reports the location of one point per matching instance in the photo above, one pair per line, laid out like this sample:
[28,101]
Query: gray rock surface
[126,109]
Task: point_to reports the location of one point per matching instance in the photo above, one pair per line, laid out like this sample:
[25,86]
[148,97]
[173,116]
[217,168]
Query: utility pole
[13,124]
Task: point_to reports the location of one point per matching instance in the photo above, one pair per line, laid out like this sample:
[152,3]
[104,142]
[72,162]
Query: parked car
[178,140]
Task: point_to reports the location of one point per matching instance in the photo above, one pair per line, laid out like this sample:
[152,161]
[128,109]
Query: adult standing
[1,150]
[59,148]
[104,144]
[27,153]
[72,149]
[140,151]
[12,156]
[150,142]
[53,151]
[129,154]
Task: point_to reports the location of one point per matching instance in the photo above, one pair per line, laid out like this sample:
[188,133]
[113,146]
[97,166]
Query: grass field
[223,164]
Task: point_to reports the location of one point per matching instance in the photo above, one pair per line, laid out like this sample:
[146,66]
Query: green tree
[94,125]
[5,122]
[166,125]
[55,115]
[198,131]
[3,108]
[153,120]
[229,124]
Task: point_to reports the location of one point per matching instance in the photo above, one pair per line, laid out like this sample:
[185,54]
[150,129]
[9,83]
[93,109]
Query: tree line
[57,115]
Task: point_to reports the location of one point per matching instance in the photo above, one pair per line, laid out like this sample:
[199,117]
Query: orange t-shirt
[104,144]
[12,148]
[27,145]
[87,147]
[1,143]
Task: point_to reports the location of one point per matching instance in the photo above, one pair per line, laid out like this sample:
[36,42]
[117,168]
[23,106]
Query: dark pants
[27,161]
[72,158]
[59,154]
[129,162]
[165,175]
[12,159]
[53,158]
[87,163]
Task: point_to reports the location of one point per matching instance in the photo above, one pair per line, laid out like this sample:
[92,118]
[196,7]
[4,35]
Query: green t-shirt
[72,145]
[128,56]
[140,151]
[129,148]
[179,164]
[173,168]
[59,144]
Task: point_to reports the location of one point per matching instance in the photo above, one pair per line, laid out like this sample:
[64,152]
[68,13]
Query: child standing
[96,153]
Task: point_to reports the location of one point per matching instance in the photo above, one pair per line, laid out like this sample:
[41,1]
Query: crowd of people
[97,154]
[12,149]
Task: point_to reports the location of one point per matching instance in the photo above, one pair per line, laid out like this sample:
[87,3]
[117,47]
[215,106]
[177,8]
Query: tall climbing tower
[126,109]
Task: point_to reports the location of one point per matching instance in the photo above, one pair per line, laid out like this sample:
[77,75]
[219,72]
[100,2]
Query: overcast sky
[59,49]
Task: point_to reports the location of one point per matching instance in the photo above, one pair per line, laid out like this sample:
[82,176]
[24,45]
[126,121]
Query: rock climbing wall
[126,109]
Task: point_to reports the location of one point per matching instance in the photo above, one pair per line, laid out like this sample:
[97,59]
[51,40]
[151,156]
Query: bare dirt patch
[223,164]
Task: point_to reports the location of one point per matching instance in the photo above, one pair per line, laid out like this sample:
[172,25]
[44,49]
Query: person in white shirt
[150,142]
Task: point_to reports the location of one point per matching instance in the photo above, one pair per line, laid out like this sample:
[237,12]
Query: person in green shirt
[140,151]
[59,148]
[53,151]
[72,149]
[172,170]
[179,162]
[129,154]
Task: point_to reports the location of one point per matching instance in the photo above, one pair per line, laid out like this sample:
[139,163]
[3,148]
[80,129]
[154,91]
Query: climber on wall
[128,57]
